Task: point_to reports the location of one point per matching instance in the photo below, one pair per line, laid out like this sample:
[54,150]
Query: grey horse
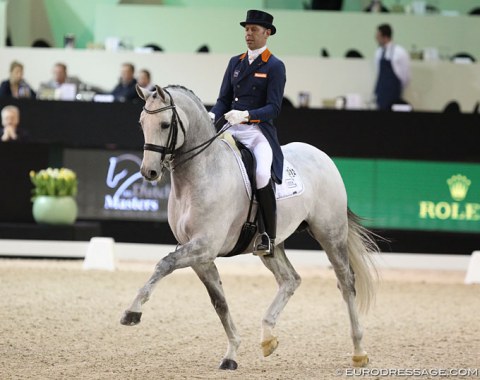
[208,205]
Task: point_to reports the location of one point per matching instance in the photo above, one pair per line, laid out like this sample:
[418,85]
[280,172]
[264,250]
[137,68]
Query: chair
[353,53]
[41,43]
[463,56]
[154,47]
[203,49]
[452,107]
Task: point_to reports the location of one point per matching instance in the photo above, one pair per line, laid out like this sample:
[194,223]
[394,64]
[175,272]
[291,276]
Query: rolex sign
[414,195]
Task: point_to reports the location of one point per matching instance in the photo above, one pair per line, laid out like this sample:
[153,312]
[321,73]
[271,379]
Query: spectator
[10,121]
[65,87]
[125,90]
[144,80]
[15,86]
[61,77]
[393,68]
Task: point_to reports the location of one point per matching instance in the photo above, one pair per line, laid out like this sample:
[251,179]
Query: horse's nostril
[152,174]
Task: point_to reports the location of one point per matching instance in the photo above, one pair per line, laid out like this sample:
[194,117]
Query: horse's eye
[165,125]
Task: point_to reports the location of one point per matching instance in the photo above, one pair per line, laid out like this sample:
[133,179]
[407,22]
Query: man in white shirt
[393,69]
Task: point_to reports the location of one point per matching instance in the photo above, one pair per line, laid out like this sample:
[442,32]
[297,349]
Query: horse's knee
[292,284]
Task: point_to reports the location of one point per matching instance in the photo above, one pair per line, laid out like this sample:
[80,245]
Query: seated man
[68,86]
[125,89]
[144,80]
[10,120]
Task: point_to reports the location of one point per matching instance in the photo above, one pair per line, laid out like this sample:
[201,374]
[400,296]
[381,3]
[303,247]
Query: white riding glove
[237,117]
[212,117]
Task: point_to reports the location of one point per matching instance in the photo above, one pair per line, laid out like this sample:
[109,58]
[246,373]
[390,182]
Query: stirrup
[263,245]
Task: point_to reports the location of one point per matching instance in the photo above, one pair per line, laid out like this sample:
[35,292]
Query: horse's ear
[160,92]
[142,92]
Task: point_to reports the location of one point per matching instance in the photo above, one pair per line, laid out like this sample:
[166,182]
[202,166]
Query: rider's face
[256,36]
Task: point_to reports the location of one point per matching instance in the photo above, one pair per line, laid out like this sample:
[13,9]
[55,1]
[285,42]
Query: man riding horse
[250,98]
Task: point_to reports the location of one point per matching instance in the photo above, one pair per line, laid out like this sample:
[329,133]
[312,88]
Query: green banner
[415,195]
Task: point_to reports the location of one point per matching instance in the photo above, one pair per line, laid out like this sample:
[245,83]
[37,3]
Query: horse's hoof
[130,318]
[360,360]
[268,346]
[228,364]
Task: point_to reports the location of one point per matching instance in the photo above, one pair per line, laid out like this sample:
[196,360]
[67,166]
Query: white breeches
[252,137]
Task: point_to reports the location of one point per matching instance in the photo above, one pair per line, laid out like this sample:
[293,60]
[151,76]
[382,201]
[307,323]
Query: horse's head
[163,125]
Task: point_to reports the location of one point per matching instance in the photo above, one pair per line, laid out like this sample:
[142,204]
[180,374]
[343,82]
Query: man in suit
[250,98]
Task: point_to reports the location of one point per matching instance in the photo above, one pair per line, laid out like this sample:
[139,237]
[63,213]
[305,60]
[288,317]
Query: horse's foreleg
[208,273]
[192,253]
[288,281]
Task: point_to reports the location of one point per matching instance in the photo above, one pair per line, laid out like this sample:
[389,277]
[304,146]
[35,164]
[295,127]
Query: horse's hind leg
[288,281]
[208,273]
[337,252]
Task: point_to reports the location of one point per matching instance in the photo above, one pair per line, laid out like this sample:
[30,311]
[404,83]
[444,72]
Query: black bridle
[172,134]
[170,148]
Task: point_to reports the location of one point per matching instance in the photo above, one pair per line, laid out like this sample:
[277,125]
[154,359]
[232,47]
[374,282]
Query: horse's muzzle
[150,174]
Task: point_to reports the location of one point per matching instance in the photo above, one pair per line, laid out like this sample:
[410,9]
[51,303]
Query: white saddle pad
[291,186]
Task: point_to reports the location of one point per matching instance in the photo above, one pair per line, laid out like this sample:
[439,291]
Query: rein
[172,137]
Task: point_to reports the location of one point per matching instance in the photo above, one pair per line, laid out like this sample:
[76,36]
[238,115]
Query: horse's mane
[189,93]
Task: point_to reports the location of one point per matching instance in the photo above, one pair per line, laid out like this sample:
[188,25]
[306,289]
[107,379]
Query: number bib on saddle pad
[291,186]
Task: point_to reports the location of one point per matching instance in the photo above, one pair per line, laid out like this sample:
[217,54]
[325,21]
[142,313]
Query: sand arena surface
[60,322]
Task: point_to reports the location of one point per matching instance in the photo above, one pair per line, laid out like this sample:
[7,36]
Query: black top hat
[260,18]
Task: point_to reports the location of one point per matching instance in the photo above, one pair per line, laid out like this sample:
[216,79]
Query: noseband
[172,134]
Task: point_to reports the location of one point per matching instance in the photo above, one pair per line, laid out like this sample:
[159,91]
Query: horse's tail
[361,247]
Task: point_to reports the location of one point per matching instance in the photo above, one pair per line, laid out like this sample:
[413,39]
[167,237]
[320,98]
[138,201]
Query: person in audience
[125,89]
[10,121]
[393,68]
[66,86]
[144,80]
[15,86]
[61,77]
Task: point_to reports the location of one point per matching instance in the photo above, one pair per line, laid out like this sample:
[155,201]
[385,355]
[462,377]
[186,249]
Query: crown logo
[458,185]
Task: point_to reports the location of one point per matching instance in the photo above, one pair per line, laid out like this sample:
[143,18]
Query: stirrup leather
[263,245]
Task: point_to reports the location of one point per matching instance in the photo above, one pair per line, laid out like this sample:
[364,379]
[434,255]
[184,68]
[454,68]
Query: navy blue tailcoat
[256,88]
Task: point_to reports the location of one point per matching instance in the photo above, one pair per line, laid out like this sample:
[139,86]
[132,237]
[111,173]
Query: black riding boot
[268,207]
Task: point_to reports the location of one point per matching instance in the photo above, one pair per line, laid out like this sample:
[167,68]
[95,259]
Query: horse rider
[250,98]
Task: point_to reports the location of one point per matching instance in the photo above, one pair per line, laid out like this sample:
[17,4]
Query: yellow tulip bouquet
[54,182]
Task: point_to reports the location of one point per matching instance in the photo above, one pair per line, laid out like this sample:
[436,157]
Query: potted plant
[54,196]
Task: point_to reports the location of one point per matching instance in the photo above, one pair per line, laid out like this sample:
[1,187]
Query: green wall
[73,16]
[306,32]
[3,24]
[302,33]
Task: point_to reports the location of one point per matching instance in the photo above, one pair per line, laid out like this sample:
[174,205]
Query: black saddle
[249,229]
[249,162]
